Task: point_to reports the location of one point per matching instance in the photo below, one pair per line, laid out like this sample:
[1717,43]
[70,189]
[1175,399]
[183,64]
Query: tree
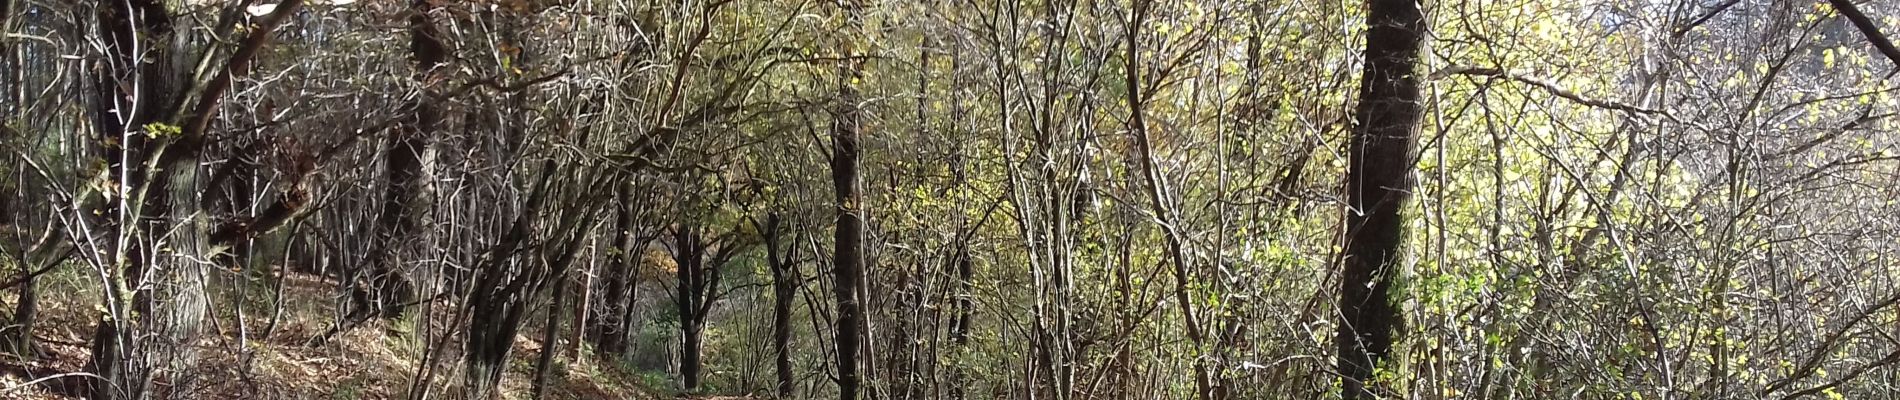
[151,118]
[1159,201]
[783,262]
[698,261]
[1378,184]
[1009,199]
[387,290]
[848,234]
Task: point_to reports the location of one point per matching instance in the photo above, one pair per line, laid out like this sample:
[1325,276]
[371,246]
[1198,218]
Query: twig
[48,378]
[1888,360]
[1868,29]
[1828,344]
[1684,30]
[1553,87]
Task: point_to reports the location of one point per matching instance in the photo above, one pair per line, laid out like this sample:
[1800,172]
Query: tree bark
[609,329]
[848,235]
[25,314]
[6,18]
[960,316]
[125,150]
[784,287]
[697,291]
[545,363]
[45,254]
[390,290]
[1378,183]
[688,257]
[504,287]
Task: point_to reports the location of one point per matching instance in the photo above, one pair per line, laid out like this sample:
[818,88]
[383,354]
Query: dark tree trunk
[691,342]
[689,258]
[960,319]
[124,25]
[41,257]
[960,323]
[498,297]
[390,290]
[499,318]
[107,350]
[784,287]
[847,259]
[609,329]
[848,237]
[495,308]
[25,314]
[549,333]
[698,285]
[1378,184]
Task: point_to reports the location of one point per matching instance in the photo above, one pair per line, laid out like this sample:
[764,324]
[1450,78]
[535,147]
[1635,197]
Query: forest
[949,199]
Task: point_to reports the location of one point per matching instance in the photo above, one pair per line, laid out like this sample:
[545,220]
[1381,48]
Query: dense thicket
[875,199]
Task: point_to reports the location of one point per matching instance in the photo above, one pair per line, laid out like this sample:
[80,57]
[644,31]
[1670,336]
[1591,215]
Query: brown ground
[375,361]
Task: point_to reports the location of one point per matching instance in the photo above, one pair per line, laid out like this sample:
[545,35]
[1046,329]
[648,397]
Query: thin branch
[45,266]
[28,384]
[237,67]
[1888,360]
[1552,87]
[1684,30]
[1867,28]
[1813,361]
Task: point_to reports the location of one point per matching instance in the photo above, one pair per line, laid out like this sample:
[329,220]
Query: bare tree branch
[1553,87]
[1867,28]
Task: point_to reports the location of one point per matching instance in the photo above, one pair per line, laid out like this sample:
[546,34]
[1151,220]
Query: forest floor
[375,361]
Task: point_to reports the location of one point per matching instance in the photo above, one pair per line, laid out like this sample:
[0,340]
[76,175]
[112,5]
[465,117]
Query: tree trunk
[585,286]
[688,256]
[784,281]
[390,290]
[498,297]
[549,333]
[497,319]
[609,329]
[20,340]
[124,25]
[1378,184]
[848,236]
[42,256]
[960,319]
